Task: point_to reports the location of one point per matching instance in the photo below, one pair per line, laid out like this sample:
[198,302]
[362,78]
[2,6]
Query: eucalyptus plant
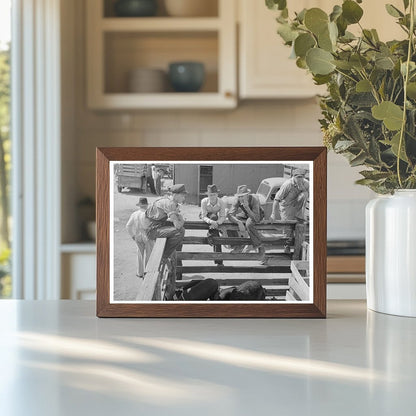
[369,111]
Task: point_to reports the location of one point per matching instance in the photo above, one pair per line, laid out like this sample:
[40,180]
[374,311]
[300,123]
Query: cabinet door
[265,68]
[266,71]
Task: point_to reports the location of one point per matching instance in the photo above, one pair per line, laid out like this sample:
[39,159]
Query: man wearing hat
[165,220]
[290,200]
[246,212]
[213,213]
[136,226]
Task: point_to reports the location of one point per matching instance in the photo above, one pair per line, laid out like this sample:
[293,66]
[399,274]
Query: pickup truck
[265,193]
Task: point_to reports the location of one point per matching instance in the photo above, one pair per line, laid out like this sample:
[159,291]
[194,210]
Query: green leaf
[411,90]
[375,35]
[319,61]
[358,160]
[316,20]
[363,86]
[393,11]
[391,114]
[303,43]
[336,12]
[384,62]
[351,11]
[301,15]
[325,42]
[287,33]
[347,37]
[301,63]
[406,4]
[321,79]
[358,61]
[343,145]
[344,65]
[276,4]
[374,174]
[394,144]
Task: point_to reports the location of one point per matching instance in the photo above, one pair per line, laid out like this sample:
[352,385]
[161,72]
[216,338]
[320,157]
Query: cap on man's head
[212,189]
[242,190]
[142,201]
[179,188]
[299,173]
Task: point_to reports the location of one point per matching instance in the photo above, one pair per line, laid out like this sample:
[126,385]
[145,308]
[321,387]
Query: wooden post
[299,239]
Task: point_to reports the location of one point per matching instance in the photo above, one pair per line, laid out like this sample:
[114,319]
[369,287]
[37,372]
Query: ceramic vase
[391,253]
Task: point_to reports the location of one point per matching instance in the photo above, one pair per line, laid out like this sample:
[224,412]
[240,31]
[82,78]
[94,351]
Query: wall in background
[253,123]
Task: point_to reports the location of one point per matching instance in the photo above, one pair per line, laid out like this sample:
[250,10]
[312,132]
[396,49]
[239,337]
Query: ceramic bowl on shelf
[191,8]
[135,8]
[147,80]
[186,76]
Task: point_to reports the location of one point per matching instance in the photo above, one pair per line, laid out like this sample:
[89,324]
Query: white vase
[391,253]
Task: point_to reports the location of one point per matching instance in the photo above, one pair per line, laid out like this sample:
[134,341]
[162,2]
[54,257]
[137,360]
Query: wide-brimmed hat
[212,189]
[179,188]
[242,190]
[142,201]
[299,172]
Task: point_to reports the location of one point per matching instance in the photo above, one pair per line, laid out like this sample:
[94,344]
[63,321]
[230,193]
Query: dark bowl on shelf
[186,76]
[135,8]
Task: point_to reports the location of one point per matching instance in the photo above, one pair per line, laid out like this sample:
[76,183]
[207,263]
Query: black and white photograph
[211,231]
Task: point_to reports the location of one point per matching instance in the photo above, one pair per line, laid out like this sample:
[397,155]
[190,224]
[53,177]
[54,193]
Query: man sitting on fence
[213,213]
[246,212]
[165,220]
[136,227]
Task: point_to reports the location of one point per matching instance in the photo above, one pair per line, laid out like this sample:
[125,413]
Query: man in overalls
[291,200]
[165,220]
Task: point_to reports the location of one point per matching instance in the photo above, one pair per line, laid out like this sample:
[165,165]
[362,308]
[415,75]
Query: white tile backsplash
[257,123]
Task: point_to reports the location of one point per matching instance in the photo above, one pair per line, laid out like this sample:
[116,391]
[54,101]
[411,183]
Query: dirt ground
[126,283]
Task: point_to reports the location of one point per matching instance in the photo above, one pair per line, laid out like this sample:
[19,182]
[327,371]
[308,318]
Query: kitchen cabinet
[78,262]
[118,45]
[265,70]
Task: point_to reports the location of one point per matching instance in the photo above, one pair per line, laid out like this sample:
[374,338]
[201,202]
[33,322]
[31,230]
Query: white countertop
[57,358]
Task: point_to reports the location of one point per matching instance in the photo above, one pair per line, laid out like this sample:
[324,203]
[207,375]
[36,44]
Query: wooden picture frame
[109,159]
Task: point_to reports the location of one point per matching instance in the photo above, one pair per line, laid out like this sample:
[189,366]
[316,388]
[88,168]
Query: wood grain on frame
[317,309]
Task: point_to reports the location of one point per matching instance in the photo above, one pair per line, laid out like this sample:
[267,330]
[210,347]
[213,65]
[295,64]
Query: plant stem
[405,81]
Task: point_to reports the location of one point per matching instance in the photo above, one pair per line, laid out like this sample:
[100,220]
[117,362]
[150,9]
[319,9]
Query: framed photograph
[211,232]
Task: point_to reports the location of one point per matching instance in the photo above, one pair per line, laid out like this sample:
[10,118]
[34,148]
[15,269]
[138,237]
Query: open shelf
[210,9]
[160,24]
[116,46]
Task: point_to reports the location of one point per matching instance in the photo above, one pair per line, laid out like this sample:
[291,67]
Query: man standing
[149,179]
[165,220]
[213,213]
[136,226]
[291,200]
[246,212]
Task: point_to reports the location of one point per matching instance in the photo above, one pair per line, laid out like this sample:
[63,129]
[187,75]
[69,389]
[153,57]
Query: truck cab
[266,192]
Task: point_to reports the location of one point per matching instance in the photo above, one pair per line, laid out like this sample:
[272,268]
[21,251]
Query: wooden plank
[234,241]
[290,297]
[151,279]
[297,282]
[184,255]
[271,281]
[203,256]
[275,226]
[233,269]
